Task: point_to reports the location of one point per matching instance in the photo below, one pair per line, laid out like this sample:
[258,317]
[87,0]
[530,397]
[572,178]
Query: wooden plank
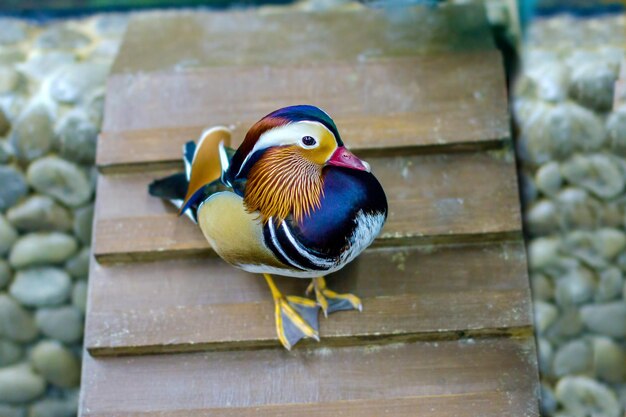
[191,40]
[409,293]
[431,197]
[393,105]
[492,377]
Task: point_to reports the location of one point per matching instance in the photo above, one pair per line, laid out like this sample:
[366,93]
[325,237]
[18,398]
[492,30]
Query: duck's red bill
[346,159]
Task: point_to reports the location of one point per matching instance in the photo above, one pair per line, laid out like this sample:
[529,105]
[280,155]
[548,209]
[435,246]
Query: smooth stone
[107,48]
[16,323]
[10,353]
[7,410]
[13,31]
[582,244]
[78,265]
[60,179]
[621,393]
[40,213]
[542,217]
[545,354]
[611,214]
[45,286]
[42,248]
[577,209]
[6,150]
[620,261]
[41,66]
[5,124]
[545,314]
[548,403]
[9,79]
[83,221]
[598,173]
[567,325]
[11,56]
[62,323]
[54,407]
[609,242]
[576,287]
[542,287]
[113,24]
[610,285]
[78,81]
[60,37]
[33,135]
[18,384]
[94,106]
[609,360]
[607,319]
[548,178]
[616,128]
[582,396]
[5,273]
[8,235]
[549,80]
[13,187]
[542,252]
[79,296]
[556,131]
[78,137]
[56,363]
[574,357]
[592,84]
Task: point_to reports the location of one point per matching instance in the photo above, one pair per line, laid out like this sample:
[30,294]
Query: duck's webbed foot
[296,317]
[330,301]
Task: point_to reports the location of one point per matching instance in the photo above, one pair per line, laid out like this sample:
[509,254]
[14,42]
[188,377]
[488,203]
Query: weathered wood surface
[424,292]
[388,105]
[446,326]
[488,377]
[189,40]
[457,197]
[396,79]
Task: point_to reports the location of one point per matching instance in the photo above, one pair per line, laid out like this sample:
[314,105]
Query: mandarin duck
[291,201]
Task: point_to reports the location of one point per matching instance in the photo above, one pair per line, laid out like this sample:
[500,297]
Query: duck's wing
[207,163]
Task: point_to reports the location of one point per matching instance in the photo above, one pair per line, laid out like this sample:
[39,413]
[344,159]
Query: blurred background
[567,72]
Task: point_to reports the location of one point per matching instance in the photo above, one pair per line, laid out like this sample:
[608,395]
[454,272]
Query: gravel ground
[573,147]
[51,96]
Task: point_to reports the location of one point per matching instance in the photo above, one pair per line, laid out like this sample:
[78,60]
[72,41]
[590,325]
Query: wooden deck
[446,328]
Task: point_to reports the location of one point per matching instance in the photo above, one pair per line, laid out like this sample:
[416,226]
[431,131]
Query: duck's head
[282,159]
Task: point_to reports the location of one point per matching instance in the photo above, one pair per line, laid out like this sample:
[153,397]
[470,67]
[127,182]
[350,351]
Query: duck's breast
[353,207]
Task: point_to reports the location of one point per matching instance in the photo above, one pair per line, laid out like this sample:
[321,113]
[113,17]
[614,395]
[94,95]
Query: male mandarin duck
[291,201]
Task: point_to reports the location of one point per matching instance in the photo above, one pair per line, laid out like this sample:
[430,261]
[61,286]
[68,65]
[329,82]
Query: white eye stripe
[289,134]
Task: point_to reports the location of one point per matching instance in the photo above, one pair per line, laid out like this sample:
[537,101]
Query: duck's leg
[330,301]
[296,317]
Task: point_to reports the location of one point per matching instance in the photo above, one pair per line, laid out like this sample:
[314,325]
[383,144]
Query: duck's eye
[308,141]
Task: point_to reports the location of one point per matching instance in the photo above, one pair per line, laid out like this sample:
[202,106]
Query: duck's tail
[205,164]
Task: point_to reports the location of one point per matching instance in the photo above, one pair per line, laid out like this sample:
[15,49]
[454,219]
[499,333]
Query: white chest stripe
[320,262]
[277,244]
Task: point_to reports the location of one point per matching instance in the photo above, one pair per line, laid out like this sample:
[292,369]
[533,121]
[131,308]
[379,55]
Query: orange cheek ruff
[284,182]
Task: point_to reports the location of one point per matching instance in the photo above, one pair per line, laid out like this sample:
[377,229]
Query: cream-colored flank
[235,234]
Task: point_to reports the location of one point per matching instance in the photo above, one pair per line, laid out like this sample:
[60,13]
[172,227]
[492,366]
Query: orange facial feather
[284,182]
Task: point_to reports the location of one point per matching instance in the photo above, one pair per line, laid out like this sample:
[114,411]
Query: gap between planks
[497,144]
[382,339]
[421,294]
[310,381]
[465,105]
[432,199]
[513,235]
